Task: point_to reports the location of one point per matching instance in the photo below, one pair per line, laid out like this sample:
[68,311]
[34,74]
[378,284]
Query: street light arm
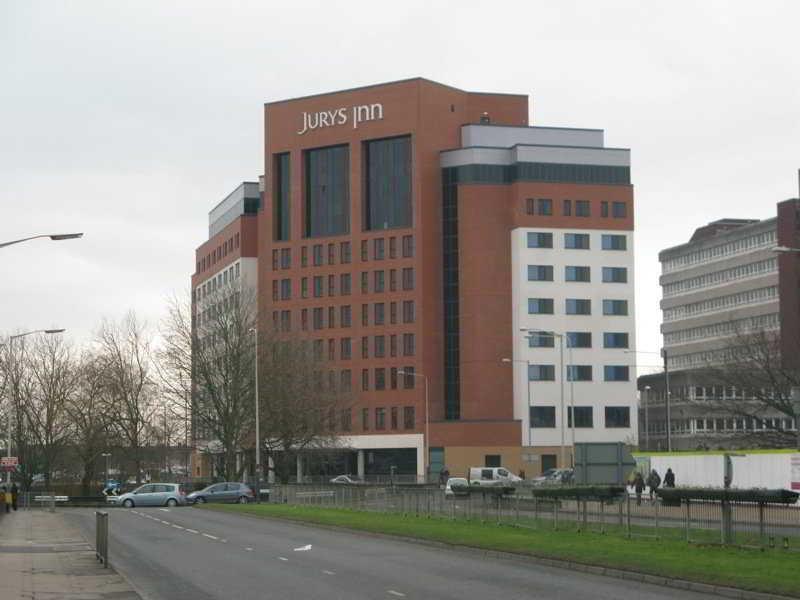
[56,237]
[784,249]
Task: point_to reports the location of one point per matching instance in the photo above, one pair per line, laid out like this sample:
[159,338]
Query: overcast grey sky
[130,120]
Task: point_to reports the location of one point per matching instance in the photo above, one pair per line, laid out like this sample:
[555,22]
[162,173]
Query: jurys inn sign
[341,116]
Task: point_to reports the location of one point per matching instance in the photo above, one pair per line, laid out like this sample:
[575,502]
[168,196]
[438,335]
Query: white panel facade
[596,393]
[506,136]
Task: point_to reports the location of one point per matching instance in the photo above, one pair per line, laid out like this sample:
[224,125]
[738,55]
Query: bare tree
[751,363]
[54,382]
[123,355]
[301,399]
[212,357]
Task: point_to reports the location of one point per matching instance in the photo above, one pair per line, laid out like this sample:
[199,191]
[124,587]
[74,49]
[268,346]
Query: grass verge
[772,571]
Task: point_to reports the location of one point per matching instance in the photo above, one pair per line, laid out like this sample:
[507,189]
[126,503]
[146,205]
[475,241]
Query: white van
[492,476]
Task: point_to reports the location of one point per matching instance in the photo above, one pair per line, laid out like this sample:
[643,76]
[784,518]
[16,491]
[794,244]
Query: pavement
[188,553]
[43,556]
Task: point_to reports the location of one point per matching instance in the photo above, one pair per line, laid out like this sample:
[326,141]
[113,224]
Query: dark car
[228,491]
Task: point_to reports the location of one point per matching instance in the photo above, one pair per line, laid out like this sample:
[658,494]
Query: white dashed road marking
[209,536]
[249,549]
[282,558]
[329,572]
[177,526]
[398,594]
[164,509]
[303,548]
[192,530]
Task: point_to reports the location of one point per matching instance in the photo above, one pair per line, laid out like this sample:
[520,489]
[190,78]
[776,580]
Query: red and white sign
[795,481]
[8,463]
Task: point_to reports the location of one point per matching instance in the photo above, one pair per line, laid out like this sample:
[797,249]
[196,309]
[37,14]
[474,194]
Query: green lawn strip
[774,571]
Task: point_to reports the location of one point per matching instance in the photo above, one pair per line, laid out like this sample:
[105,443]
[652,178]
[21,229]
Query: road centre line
[209,536]
[192,530]
[328,572]
[177,526]
[282,558]
[398,594]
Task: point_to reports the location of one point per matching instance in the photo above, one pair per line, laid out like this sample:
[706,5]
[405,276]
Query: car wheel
[172,503]
[128,503]
[200,500]
[242,500]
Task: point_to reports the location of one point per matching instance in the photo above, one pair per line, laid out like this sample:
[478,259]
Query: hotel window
[346,385]
[393,417]
[408,246]
[331,285]
[275,254]
[331,254]
[576,241]
[619,210]
[331,350]
[365,411]
[393,345]
[318,286]
[393,378]
[345,317]
[583,208]
[408,378]
[286,320]
[380,412]
[317,255]
[577,274]
[544,207]
[331,316]
[615,340]
[274,289]
[579,372]
[543,416]
[344,253]
[584,416]
[618,416]
[408,344]
[578,306]
[615,275]
[616,373]
[579,339]
[617,308]
[380,313]
[275,320]
[378,249]
[318,317]
[540,240]
[327,193]
[541,372]
[567,210]
[408,279]
[604,209]
[408,311]
[345,417]
[530,206]
[409,418]
[365,314]
[344,284]
[282,197]
[364,282]
[541,341]
[393,313]
[286,258]
[304,256]
[379,284]
[380,384]
[304,319]
[540,306]
[365,347]
[614,242]
[345,349]
[380,346]
[364,250]
[392,280]
[392,247]
[388,183]
[540,273]
[318,347]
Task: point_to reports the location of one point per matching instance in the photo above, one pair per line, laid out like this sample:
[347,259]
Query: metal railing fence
[693,521]
[101,537]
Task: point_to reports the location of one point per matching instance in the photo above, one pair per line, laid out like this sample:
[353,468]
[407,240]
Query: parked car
[151,494]
[456,486]
[497,476]
[228,491]
[351,479]
[554,477]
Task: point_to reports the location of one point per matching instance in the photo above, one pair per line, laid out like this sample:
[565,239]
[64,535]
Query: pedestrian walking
[6,498]
[14,495]
[638,487]
[653,481]
[669,479]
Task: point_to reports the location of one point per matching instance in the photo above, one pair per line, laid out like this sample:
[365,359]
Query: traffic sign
[9,461]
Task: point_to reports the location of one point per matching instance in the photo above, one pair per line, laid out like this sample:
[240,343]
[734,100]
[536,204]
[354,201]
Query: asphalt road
[195,554]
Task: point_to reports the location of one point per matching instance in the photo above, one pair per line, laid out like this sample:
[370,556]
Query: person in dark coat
[669,479]
[6,498]
[653,481]
[638,486]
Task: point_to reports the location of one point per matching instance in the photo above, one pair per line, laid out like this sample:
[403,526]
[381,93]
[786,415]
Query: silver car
[151,494]
[229,491]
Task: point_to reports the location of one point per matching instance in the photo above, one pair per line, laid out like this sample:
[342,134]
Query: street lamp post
[667,394]
[426,441]
[646,417]
[560,336]
[106,455]
[254,330]
[528,382]
[56,237]
[11,369]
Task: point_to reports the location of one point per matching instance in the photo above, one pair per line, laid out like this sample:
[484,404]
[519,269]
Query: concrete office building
[412,229]
[726,281]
